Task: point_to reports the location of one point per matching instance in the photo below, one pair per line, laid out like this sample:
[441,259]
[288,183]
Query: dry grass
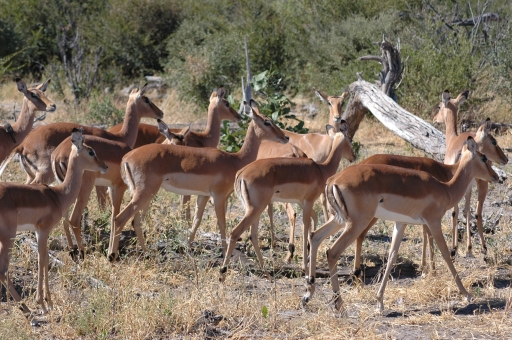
[167,293]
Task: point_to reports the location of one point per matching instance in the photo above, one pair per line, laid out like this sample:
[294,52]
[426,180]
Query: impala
[312,145]
[189,171]
[291,180]
[361,193]
[486,144]
[34,100]
[39,208]
[111,152]
[35,151]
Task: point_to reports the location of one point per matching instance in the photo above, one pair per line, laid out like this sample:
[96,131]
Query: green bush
[102,110]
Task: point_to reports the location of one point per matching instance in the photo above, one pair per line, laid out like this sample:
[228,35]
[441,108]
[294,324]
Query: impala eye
[494,142]
[34,95]
[227,103]
[146,100]
[484,159]
[91,153]
[267,123]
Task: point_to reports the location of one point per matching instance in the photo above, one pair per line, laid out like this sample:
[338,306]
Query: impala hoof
[112,257]
[34,323]
[222,276]
[305,300]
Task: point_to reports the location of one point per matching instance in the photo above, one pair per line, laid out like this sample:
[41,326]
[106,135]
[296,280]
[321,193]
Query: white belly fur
[180,191]
[26,227]
[102,182]
[393,216]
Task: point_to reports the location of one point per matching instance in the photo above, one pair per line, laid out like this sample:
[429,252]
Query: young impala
[189,171]
[486,144]
[363,192]
[39,208]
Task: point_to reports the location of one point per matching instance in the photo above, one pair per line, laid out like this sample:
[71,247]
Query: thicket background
[86,46]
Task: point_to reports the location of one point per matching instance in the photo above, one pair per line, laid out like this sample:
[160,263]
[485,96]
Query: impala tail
[241,191]
[5,162]
[126,174]
[336,201]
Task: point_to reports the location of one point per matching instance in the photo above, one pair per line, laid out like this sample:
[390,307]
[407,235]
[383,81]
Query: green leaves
[264,311]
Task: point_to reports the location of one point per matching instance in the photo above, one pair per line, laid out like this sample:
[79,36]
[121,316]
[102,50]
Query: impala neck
[130,126]
[451,126]
[25,121]
[249,150]
[68,190]
[212,130]
[330,165]
[457,186]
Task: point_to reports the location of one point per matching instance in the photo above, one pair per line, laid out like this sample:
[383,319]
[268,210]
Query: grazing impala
[189,171]
[39,208]
[34,100]
[291,180]
[486,144]
[36,150]
[361,193]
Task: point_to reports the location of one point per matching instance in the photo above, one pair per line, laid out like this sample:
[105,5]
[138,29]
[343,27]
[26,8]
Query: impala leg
[252,215]
[347,237]
[455,235]
[137,203]
[255,242]
[47,296]
[220,203]
[323,201]
[198,216]
[88,179]
[67,228]
[270,210]
[467,213]
[315,239]
[307,208]
[437,234]
[5,251]
[102,197]
[359,245]
[185,206]
[398,233]
[42,271]
[137,225]
[483,187]
[292,217]
[427,240]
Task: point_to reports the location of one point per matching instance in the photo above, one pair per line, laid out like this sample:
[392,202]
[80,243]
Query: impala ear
[470,144]
[322,96]
[22,87]
[484,129]
[344,127]
[445,97]
[248,110]
[42,87]
[463,96]
[185,131]
[221,92]
[77,138]
[142,90]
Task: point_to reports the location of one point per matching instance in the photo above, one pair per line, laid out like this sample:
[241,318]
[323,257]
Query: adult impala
[189,171]
[36,150]
[486,144]
[312,145]
[291,180]
[363,192]
[34,100]
[39,208]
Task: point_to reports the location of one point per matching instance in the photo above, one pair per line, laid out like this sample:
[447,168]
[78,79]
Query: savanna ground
[173,291]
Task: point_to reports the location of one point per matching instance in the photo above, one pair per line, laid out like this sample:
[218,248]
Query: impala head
[86,154]
[143,105]
[488,145]
[36,96]
[335,106]
[341,140]
[448,108]
[265,128]
[173,138]
[482,168]
[220,106]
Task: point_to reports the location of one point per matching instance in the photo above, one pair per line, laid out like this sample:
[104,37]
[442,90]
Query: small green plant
[264,311]
[102,110]
[273,104]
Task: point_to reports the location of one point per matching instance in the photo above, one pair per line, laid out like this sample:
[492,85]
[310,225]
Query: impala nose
[104,169]
[51,108]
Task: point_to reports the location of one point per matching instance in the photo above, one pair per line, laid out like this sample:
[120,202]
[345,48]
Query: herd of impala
[273,165]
